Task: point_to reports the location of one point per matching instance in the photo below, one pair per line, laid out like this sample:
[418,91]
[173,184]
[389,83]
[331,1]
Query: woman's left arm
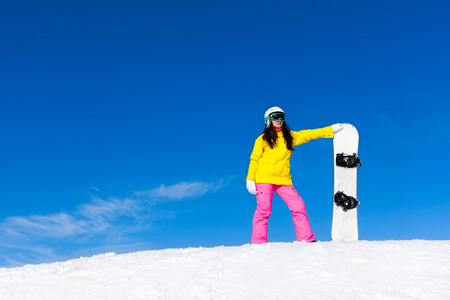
[304,136]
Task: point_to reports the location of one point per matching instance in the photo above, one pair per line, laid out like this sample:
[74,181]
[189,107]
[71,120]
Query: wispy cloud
[54,226]
[182,190]
[99,219]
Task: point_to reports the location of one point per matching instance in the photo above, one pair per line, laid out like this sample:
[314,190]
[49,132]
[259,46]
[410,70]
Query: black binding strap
[346,202]
[347,161]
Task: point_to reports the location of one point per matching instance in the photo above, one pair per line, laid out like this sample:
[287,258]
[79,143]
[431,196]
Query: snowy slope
[325,270]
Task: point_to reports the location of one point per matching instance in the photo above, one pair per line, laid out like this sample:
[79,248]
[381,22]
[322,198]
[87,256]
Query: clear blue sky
[128,126]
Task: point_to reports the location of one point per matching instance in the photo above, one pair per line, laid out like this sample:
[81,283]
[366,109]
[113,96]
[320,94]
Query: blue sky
[128,126]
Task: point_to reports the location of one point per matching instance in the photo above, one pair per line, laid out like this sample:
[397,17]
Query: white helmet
[270,111]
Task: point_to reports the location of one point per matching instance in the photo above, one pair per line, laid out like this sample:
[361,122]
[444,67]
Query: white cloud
[100,218]
[54,225]
[182,190]
[99,209]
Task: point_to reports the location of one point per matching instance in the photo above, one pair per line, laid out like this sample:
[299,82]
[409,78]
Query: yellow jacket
[273,166]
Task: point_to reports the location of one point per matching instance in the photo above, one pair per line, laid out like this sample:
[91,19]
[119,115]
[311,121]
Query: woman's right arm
[254,158]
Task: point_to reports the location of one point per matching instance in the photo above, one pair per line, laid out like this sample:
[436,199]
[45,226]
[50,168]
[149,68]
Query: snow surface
[414,269]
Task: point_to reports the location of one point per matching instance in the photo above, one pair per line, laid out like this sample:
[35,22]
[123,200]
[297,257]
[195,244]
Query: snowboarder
[269,172]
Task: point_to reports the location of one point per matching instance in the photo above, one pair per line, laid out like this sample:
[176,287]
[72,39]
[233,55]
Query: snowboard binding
[347,161]
[346,202]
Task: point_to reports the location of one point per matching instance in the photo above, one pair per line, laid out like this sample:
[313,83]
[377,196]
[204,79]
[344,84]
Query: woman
[269,172]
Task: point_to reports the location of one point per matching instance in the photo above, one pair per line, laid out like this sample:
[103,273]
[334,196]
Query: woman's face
[277,124]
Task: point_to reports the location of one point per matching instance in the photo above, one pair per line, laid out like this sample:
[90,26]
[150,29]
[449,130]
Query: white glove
[251,187]
[337,127]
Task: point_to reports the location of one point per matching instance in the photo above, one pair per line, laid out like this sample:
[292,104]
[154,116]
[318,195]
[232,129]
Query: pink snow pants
[264,208]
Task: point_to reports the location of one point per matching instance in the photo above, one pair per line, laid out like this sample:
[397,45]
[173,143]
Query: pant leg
[264,198]
[295,203]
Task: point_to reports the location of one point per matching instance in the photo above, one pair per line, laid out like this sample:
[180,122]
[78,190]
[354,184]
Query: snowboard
[345,222]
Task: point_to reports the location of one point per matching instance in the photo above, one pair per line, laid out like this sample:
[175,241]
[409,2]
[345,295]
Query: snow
[415,269]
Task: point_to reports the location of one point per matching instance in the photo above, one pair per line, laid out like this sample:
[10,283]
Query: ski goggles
[276,117]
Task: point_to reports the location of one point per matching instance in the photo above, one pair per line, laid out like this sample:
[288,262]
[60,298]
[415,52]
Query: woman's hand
[251,187]
[337,127]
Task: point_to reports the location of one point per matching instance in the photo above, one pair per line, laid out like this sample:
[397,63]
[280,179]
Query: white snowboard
[345,224]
